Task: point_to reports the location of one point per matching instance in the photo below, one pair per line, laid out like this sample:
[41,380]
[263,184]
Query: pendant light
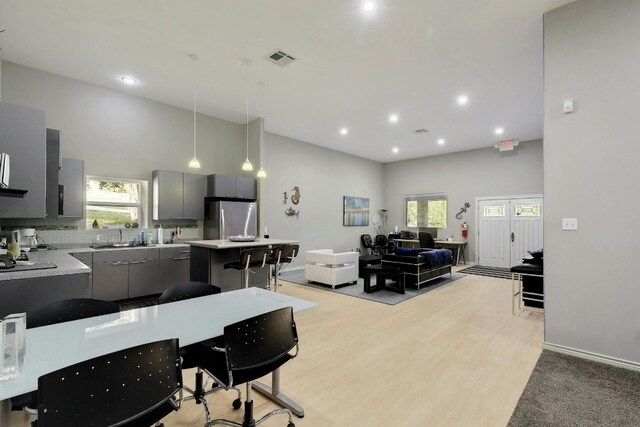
[261,172]
[247,166]
[194,163]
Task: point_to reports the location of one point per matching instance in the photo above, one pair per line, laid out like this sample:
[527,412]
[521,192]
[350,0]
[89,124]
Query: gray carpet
[357,290]
[568,391]
[479,270]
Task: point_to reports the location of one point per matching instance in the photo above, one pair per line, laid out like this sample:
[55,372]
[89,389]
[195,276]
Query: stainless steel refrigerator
[224,219]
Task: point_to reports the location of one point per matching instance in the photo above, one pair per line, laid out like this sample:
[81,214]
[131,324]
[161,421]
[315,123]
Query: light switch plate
[567,106]
[570,224]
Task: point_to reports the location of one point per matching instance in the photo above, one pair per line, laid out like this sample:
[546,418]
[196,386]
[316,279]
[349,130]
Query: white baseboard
[608,360]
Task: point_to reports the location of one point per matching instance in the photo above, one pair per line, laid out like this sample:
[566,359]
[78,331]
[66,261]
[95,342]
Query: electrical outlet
[569,224]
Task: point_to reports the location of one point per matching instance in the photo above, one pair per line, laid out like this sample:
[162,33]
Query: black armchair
[137,386]
[253,348]
[368,244]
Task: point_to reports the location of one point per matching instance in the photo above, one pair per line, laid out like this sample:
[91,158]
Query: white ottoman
[325,266]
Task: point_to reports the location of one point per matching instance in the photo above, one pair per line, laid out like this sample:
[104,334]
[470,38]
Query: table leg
[367,282]
[273,393]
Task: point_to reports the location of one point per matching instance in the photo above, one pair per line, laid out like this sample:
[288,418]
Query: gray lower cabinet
[122,274]
[174,266]
[144,278]
[87,259]
[111,280]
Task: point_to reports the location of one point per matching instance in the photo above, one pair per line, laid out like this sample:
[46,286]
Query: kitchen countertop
[227,244]
[65,262]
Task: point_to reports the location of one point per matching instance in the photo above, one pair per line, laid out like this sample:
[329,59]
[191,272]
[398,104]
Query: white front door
[507,229]
[526,226]
[494,233]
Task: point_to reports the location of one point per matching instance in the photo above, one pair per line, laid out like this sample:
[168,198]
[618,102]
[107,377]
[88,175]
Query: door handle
[513,237]
[180,258]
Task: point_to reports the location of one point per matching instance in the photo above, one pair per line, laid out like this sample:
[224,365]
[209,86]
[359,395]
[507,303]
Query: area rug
[569,391]
[357,290]
[479,270]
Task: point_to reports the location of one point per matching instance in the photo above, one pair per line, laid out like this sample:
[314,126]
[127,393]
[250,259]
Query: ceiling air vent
[279,57]
[419,131]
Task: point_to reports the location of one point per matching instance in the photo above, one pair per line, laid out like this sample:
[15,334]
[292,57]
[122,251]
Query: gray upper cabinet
[231,187]
[65,181]
[23,137]
[193,197]
[71,189]
[246,188]
[177,195]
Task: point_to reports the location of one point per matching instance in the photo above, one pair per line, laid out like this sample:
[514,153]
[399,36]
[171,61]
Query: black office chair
[426,240]
[280,257]
[249,258]
[133,387]
[190,358]
[60,312]
[253,348]
[382,243]
[368,244]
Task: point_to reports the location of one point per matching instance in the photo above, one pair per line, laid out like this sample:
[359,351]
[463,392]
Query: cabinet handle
[136,262]
[180,258]
[119,263]
[185,252]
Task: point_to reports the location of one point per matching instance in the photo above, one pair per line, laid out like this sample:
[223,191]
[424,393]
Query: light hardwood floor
[454,356]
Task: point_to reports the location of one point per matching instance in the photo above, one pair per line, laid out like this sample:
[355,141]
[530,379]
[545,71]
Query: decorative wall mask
[291,212]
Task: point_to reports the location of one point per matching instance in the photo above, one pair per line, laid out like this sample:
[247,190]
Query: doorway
[508,227]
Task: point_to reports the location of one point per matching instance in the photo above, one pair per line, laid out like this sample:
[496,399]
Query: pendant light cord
[247,62]
[195,60]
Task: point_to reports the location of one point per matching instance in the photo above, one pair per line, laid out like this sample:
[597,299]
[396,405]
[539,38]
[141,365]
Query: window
[528,210]
[113,202]
[493,210]
[427,211]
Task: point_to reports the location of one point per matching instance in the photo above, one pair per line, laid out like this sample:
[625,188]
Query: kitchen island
[208,258]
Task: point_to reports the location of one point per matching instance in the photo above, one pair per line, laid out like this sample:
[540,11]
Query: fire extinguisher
[465,229]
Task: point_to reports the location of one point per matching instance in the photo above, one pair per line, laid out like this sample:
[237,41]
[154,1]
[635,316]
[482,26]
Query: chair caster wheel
[291,425]
[237,404]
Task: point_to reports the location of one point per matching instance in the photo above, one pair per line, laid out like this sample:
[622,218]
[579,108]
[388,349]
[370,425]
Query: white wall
[324,176]
[463,176]
[122,135]
[592,173]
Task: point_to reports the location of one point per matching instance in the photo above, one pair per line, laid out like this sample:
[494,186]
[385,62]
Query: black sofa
[418,268]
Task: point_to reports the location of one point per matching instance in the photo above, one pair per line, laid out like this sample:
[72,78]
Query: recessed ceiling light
[499,131]
[441,141]
[394,149]
[128,80]
[393,118]
[462,100]
[369,6]
[344,131]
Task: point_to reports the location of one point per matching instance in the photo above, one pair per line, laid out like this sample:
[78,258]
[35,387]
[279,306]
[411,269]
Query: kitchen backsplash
[67,232]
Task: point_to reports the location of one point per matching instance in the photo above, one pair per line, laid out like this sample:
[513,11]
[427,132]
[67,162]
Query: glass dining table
[52,347]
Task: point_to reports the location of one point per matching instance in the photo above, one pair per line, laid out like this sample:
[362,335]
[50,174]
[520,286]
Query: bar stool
[249,258]
[280,257]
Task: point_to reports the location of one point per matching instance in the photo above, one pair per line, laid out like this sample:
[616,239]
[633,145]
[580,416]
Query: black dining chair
[59,312]
[192,355]
[253,348]
[134,387]
[280,257]
[249,258]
